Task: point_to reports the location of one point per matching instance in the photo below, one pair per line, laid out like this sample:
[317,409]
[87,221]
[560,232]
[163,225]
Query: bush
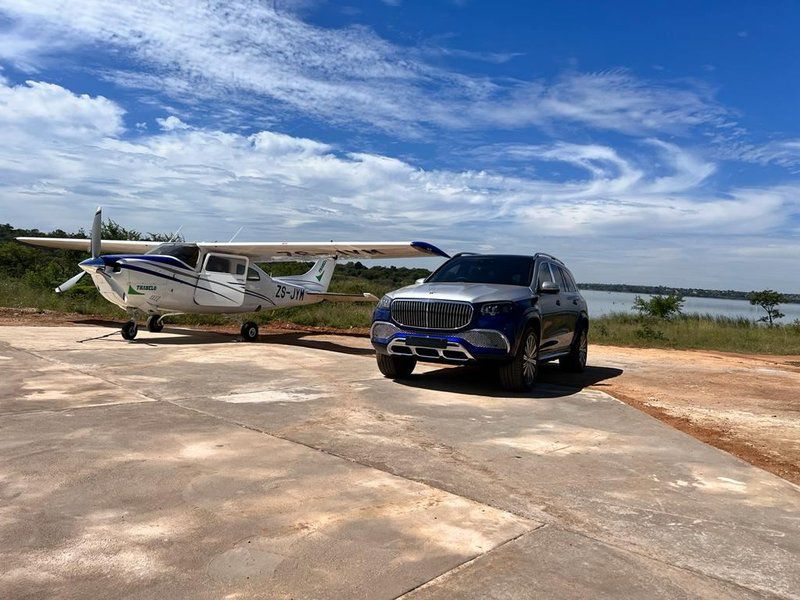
[660,307]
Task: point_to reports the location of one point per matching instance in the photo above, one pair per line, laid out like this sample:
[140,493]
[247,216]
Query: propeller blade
[114,285]
[96,228]
[70,282]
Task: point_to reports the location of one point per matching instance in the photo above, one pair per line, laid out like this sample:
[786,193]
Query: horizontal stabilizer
[329,297]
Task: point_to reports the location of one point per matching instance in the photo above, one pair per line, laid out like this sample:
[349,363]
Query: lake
[603,303]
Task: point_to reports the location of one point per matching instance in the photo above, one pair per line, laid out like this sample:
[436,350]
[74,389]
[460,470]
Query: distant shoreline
[686,292]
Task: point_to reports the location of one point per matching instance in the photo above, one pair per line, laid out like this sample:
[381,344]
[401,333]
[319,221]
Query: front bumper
[460,347]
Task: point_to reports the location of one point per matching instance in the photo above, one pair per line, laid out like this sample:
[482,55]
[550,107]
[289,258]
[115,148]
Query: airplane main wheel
[129,330]
[154,324]
[250,331]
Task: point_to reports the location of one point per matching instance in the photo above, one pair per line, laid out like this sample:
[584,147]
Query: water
[603,303]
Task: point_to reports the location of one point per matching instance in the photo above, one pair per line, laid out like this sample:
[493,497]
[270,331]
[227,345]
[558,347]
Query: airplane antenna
[238,231]
[175,235]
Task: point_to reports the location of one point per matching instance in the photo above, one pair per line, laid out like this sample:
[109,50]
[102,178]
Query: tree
[661,307]
[769,301]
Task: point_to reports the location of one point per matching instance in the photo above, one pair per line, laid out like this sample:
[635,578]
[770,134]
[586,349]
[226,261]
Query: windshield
[500,270]
[187,253]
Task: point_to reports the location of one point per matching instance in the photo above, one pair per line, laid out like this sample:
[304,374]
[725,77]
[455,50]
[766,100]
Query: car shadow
[484,381]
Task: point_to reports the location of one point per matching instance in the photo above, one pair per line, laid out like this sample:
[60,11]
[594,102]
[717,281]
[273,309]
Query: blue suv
[511,311]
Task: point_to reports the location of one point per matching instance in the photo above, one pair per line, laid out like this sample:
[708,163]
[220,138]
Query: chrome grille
[431,314]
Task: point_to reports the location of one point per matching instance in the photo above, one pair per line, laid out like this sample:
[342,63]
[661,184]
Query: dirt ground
[747,405]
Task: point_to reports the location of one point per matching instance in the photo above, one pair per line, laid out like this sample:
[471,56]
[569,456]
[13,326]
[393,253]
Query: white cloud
[171,123]
[38,105]
[285,187]
[230,52]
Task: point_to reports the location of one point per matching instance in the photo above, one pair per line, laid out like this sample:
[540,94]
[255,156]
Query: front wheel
[520,374]
[250,331]
[575,361]
[129,330]
[396,367]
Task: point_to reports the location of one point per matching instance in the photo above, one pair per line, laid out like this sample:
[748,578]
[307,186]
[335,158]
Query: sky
[640,142]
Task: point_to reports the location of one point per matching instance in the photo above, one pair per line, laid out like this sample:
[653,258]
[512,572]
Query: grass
[696,332]
[705,332]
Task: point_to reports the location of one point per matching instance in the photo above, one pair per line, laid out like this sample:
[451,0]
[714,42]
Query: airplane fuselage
[160,284]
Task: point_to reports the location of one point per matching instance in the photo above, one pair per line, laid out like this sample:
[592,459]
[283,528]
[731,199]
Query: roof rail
[545,255]
[467,254]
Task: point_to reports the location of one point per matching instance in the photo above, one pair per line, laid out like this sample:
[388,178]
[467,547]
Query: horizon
[632,141]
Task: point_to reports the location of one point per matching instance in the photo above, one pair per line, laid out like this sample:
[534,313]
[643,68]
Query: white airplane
[161,279]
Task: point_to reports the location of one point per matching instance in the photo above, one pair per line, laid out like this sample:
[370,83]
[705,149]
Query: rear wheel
[396,367]
[250,331]
[154,324]
[129,330]
[520,374]
[575,361]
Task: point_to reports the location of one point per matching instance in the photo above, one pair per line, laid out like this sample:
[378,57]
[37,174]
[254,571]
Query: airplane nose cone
[91,264]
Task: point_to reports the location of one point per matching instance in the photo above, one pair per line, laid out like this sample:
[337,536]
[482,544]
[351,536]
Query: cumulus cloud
[232,51]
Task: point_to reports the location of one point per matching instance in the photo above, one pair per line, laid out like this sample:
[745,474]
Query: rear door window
[559,279]
[568,281]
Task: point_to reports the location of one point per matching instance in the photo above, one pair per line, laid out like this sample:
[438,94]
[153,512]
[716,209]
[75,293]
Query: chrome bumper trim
[454,351]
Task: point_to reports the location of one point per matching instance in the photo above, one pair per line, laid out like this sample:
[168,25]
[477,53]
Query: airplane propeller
[95,264]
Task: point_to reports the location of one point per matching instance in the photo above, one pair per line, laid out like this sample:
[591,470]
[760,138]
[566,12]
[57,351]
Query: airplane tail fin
[317,278]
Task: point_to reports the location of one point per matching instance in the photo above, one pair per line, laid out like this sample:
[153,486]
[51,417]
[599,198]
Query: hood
[463,292]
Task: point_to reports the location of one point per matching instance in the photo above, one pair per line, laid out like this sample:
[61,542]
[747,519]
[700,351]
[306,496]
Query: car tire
[575,361]
[519,375]
[250,331]
[396,367]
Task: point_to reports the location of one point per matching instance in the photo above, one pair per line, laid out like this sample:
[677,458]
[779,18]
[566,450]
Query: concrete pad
[151,500]
[31,382]
[580,461]
[553,563]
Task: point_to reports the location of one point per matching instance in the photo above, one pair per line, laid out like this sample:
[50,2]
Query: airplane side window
[239,268]
[218,264]
[252,275]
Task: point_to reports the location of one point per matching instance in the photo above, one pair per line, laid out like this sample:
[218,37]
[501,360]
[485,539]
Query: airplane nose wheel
[129,330]
[154,324]
[250,331]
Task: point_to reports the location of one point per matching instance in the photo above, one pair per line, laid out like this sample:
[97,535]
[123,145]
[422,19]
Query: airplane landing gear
[154,323]
[250,331]
[129,330]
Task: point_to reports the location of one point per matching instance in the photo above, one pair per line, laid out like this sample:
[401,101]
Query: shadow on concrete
[484,381]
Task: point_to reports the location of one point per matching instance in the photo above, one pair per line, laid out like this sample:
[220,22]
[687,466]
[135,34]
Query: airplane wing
[278,251]
[106,246]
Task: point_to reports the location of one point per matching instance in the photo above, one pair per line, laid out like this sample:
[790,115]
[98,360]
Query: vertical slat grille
[434,314]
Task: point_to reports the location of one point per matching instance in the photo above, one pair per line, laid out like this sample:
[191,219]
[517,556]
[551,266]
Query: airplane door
[222,280]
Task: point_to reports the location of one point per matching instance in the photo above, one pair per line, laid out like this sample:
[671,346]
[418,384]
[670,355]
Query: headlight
[496,308]
[385,302]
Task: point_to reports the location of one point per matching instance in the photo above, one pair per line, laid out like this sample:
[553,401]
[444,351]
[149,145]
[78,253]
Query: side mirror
[420,280]
[549,287]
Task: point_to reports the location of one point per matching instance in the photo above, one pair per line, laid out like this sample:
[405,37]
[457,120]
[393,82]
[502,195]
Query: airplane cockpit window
[187,253]
[252,275]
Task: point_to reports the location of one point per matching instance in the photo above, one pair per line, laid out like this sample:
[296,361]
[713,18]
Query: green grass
[686,332]
[700,332]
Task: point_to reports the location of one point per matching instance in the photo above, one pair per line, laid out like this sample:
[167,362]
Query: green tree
[769,301]
[660,307]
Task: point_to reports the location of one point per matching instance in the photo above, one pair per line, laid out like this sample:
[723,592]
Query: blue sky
[642,142]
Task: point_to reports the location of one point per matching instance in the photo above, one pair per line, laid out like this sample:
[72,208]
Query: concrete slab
[553,563]
[683,515]
[154,501]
